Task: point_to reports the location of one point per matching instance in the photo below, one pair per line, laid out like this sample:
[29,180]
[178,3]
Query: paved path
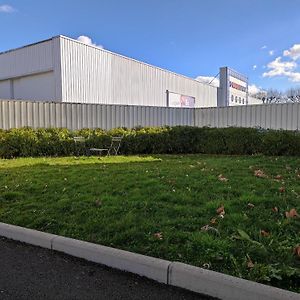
[28,272]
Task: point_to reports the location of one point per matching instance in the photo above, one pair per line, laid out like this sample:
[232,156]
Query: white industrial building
[65,70]
[62,69]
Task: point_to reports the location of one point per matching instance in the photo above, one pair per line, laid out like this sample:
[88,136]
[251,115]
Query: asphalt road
[28,272]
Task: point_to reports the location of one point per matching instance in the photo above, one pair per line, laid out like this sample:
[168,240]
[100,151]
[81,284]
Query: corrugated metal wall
[269,116]
[16,114]
[32,72]
[93,75]
[27,60]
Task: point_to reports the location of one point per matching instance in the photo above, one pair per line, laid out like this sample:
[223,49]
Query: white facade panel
[30,59]
[39,87]
[5,89]
[93,75]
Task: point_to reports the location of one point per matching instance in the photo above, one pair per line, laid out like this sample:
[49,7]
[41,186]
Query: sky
[259,38]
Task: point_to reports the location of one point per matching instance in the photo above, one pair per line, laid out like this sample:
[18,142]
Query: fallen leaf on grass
[209,228]
[281,189]
[278,177]
[250,205]
[292,213]
[206,266]
[264,233]
[158,235]
[275,209]
[98,203]
[297,250]
[221,211]
[222,178]
[213,221]
[260,174]
[250,264]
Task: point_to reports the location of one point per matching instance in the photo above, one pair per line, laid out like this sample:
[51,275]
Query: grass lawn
[166,206]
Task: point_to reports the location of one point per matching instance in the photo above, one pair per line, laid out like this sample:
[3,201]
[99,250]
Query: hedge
[153,140]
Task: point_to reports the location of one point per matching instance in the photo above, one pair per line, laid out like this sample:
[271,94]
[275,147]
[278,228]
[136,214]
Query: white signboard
[177,100]
[237,91]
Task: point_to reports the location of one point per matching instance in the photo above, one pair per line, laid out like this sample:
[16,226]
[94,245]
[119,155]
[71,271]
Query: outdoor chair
[115,145]
[113,148]
[79,140]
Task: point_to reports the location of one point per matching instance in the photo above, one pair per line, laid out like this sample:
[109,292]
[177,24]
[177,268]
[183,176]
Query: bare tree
[293,94]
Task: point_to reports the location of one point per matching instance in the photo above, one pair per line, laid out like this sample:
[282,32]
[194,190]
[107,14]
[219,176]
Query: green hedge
[180,139]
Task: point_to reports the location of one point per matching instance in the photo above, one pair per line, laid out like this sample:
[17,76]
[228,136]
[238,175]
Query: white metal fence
[16,114]
[269,116]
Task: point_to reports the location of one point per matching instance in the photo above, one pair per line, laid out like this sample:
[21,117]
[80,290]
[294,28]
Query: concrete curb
[173,273]
[150,267]
[223,286]
[29,236]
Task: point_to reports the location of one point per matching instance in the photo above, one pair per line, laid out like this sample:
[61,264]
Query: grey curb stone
[173,273]
[28,236]
[223,286]
[147,266]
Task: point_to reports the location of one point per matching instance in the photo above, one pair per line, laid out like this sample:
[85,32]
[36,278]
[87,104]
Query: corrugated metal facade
[36,58]
[16,114]
[31,72]
[93,75]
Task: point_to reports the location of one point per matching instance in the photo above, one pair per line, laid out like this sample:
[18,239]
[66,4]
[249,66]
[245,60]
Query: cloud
[253,89]
[5,8]
[87,40]
[294,76]
[263,47]
[278,67]
[254,67]
[293,52]
[209,79]
[271,52]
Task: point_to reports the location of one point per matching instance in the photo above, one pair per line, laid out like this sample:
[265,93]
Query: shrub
[150,140]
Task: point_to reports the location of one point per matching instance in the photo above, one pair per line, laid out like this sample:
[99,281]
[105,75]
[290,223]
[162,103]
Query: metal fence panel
[16,114]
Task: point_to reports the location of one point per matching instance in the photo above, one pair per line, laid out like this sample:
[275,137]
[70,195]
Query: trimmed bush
[151,140]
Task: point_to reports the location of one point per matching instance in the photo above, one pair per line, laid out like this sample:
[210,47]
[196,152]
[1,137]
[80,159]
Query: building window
[232,98]
[240,100]
[243,101]
[236,99]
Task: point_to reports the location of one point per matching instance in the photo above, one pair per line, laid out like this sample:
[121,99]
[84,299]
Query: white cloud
[294,76]
[293,52]
[209,79]
[254,67]
[271,52]
[253,89]
[5,8]
[278,67]
[87,40]
[263,47]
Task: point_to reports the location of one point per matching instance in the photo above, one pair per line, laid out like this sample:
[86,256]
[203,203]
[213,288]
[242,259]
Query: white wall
[34,71]
[39,87]
[93,75]
[254,101]
[5,92]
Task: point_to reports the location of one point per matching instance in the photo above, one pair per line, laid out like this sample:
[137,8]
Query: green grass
[124,202]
